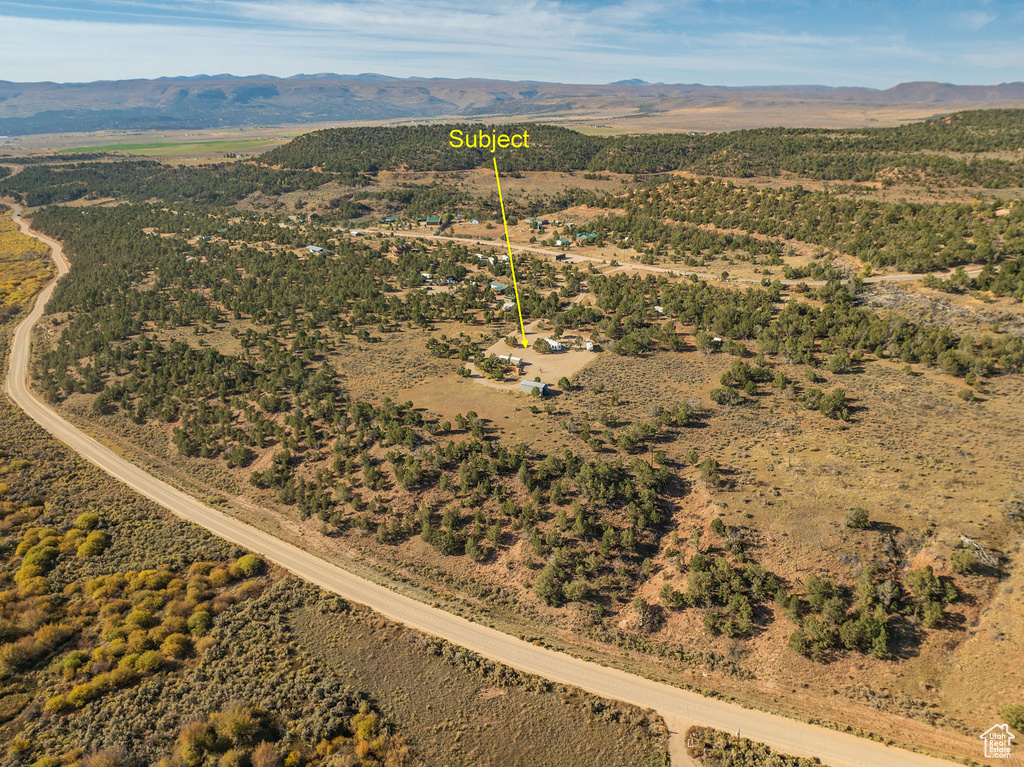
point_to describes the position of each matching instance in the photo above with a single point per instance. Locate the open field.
(171, 149)
(755, 113)
(178, 146)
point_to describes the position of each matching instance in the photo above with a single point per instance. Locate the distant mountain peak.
(205, 101)
(365, 77)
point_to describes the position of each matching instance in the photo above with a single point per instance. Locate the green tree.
(548, 586)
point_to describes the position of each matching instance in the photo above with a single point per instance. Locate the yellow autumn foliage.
(24, 264)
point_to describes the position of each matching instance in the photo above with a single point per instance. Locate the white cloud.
(973, 21)
(552, 40)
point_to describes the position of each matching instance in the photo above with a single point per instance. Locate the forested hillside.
(940, 150)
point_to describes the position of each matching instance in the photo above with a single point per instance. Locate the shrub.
(95, 544)
(75, 660)
(140, 618)
(53, 635)
(200, 623)
(249, 566)
(858, 519)
(176, 646)
(150, 661)
(798, 642)
(58, 704)
(962, 561)
(87, 521)
(710, 470)
(725, 395)
(41, 555)
(839, 362)
(1013, 715)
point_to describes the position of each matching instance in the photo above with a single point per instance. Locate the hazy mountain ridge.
(206, 101)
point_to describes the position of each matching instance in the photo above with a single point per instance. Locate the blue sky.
(715, 42)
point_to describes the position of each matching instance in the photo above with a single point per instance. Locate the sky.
(714, 42)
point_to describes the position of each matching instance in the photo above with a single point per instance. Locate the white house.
(556, 346)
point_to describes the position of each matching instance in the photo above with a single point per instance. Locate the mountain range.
(210, 101)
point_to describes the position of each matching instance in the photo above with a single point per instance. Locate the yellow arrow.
(515, 285)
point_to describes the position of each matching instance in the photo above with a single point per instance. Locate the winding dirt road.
(577, 257)
(678, 707)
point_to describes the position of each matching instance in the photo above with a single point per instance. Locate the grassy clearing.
(177, 149)
(465, 710)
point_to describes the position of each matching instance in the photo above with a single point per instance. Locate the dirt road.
(678, 707)
(576, 258)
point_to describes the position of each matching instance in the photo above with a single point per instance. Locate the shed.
(531, 387)
(315, 249)
(433, 220)
(498, 287)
